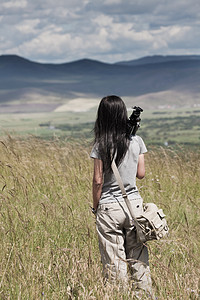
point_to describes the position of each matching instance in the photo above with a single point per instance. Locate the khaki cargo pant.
(118, 245)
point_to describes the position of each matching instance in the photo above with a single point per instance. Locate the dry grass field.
(48, 242)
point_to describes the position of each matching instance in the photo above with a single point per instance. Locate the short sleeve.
(143, 148)
(94, 153)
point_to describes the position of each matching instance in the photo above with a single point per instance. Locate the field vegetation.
(163, 127)
(48, 242)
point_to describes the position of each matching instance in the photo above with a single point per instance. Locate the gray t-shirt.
(128, 169)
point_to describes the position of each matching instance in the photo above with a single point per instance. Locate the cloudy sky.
(107, 30)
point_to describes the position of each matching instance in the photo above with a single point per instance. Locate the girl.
(117, 235)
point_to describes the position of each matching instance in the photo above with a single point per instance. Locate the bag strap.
(127, 201)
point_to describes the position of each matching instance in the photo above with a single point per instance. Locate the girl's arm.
(141, 167)
(97, 182)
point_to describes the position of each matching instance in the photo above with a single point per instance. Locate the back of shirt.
(128, 169)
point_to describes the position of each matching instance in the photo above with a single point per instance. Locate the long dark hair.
(111, 130)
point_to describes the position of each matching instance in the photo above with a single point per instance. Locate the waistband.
(113, 200)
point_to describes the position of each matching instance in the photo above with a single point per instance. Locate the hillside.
(158, 59)
(25, 83)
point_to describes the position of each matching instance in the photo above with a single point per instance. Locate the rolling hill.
(154, 81)
(158, 59)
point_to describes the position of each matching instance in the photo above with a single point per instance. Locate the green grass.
(180, 126)
(48, 241)
(171, 130)
(42, 124)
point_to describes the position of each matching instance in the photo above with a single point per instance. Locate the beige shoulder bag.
(151, 225)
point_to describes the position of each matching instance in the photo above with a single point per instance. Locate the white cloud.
(28, 26)
(108, 30)
(110, 2)
(54, 42)
(15, 3)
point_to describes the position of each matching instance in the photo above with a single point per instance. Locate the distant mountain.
(158, 59)
(24, 80)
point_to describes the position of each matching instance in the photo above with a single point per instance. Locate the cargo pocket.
(137, 206)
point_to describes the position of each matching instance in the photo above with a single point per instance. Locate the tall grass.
(48, 241)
